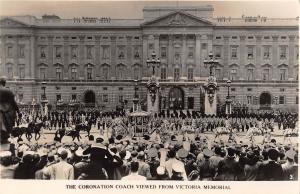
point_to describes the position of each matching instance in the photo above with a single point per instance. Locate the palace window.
(21, 51)
(266, 74)
(233, 52)
(58, 97)
(121, 98)
(249, 99)
(74, 88)
(74, 97)
(250, 74)
(9, 51)
(21, 71)
(191, 52)
(151, 46)
(136, 53)
(190, 101)
(266, 52)
(89, 52)
(163, 74)
(136, 73)
(89, 71)
(73, 73)
(163, 52)
(190, 74)
(105, 98)
(297, 52)
(233, 74)
(282, 74)
(297, 100)
(121, 72)
(283, 52)
(218, 51)
(74, 52)
(105, 54)
(250, 52)
(218, 74)
(281, 100)
(121, 54)
(176, 74)
(58, 51)
(42, 73)
(20, 97)
(249, 89)
(10, 73)
(58, 73)
(105, 73)
(42, 52)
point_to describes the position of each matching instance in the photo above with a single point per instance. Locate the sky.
(133, 9)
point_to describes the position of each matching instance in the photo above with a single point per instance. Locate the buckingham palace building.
(102, 61)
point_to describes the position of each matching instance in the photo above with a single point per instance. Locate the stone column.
(226, 56)
(183, 58)
(209, 43)
(275, 58)
(242, 53)
(258, 57)
(97, 55)
(145, 56)
(291, 57)
(66, 57)
(50, 55)
(33, 56)
(2, 55)
(170, 58)
(81, 57)
(113, 56)
(129, 57)
(198, 56)
(16, 57)
(204, 55)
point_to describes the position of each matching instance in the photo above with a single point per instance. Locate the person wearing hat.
(272, 170)
(26, 168)
(81, 168)
(206, 171)
(288, 166)
(161, 174)
(99, 159)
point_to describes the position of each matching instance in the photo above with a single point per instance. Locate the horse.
(84, 127)
(37, 129)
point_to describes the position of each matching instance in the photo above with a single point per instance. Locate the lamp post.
(153, 62)
(211, 62)
(44, 100)
(228, 100)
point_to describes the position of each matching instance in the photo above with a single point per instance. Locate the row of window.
(251, 37)
(254, 100)
(121, 73)
(250, 52)
(89, 73)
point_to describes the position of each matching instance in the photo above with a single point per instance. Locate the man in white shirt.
(134, 166)
(171, 161)
(62, 170)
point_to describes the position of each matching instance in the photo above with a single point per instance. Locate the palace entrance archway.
(89, 97)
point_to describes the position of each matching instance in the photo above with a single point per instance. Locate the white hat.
(59, 150)
(160, 170)
(29, 153)
(128, 155)
(79, 152)
(5, 154)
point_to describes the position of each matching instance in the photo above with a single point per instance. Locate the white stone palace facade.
(96, 60)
